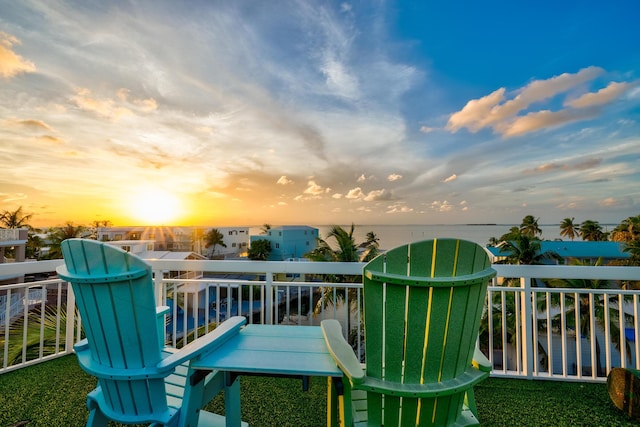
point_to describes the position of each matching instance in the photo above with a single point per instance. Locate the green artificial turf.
(53, 394)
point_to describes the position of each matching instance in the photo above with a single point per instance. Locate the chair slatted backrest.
(115, 297)
(420, 333)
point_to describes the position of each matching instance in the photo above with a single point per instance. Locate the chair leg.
(96, 417)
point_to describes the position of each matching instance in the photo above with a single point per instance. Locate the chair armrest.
(214, 339)
(481, 362)
(341, 351)
(462, 382)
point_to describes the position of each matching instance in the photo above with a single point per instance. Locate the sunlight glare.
(154, 206)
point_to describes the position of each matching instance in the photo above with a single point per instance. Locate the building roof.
(580, 249)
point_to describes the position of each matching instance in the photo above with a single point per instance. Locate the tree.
(259, 250)
(524, 250)
(59, 234)
(34, 244)
(347, 250)
(212, 239)
(569, 229)
(592, 231)
(371, 247)
(627, 231)
(265, 229)
(15, 219)
(633, 247)
(530, 227)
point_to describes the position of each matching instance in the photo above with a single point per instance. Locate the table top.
(273, 349)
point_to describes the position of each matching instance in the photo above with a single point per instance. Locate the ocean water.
(395, 235)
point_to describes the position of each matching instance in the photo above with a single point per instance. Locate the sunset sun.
(154, 206)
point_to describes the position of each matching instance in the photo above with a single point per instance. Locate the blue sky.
(318, 112)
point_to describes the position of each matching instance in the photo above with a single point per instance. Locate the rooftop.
(54, 393)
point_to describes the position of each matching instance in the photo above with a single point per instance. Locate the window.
(277, 245)
(307, 243)
(233, 245)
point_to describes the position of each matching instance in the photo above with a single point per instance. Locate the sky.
(249, 112)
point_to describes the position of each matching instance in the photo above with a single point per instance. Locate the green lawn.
(53, 394)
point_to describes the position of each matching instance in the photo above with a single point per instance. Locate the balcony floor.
(53, 394)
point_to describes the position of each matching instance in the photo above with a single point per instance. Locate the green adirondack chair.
(422, 307)
(139, 380)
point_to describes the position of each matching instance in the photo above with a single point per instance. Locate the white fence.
(528, 332)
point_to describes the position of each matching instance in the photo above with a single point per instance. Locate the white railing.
(292, 293)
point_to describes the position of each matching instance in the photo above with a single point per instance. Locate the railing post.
(527, 328)
(268, 290)
(69, 336)
(158, 286)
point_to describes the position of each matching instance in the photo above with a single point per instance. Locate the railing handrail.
(346, 268)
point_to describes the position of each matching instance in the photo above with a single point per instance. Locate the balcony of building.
(547, 345)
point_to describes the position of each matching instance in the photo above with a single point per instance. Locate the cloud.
(314, 189)
(35, 124)
(603, 96)
(114, 109)
(443, 206)
(371, 196)
(103, 107)
(451, 178)
(283, 180)
(426, 129)
(49, 139)
(609, 202)
(355, 193)
(549, 167)
(12, 197)
(394, 177)
(12, 64)
(398, 208)
(503, 114)
(377, 195)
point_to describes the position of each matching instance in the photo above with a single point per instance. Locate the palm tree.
(214, 238)
(569, 229)
(51, 325)
(581, 306)
(346, 251)
(529, 226)
(371, 247)
(524, 250)
(592, 231)
(59, 234)
(15, 219)
(628, 230)
(265, 229)
(633, 247)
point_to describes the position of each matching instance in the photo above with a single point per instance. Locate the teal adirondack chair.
(422, 308)
(139, 380)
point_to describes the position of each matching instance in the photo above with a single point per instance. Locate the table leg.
(232, 400)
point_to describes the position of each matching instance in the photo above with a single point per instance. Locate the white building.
(181, 239)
